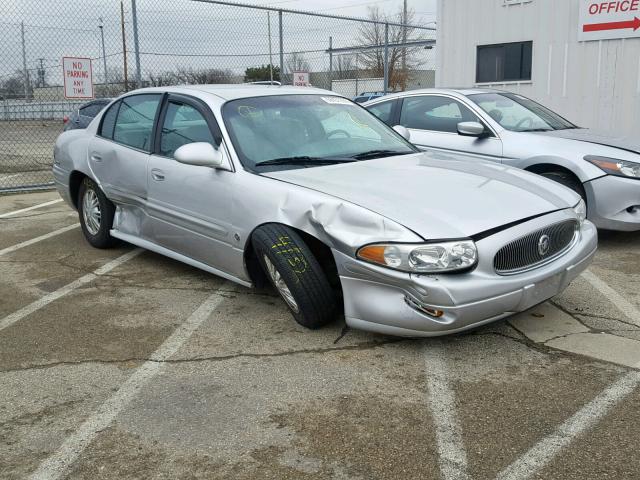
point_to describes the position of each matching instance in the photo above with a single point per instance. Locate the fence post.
(136, 46)
(386, 58)
(281, 47)
(330, 63)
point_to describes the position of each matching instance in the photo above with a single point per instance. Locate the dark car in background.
(81, 117)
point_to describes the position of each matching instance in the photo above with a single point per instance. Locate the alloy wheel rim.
(280, 284)
(91, 211)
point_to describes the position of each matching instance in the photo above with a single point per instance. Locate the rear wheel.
(296, 274)
(96, 214)
(568, 180)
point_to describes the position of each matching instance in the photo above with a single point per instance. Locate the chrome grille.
(527, 252)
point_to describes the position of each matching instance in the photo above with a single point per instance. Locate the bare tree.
(374, 34)
(344, 67)
(190, 76)
(297, 63)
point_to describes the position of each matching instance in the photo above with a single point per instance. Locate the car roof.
(456, 91)
(235, 91)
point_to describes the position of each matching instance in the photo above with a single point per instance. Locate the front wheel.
(568, 180)
(296, 274)
(96, 214)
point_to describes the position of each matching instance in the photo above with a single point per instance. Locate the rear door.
(119, 153)
(433, 123)
(190, 206)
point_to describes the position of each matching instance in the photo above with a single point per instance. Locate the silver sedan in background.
(309, 191)
(514, 130)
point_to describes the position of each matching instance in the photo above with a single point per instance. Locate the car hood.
(598, 138)
(437, 195)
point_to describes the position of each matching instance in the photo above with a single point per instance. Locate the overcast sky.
(179, 33)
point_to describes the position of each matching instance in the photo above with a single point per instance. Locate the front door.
(190, 206)
(433, 123)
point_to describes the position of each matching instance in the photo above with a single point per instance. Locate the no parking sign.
(78, 77)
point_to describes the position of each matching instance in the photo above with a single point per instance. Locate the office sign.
(301, 79)
(609, 20)
(78, 77)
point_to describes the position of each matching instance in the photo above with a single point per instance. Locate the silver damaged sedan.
(310, 192)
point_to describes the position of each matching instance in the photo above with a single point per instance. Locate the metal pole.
(330, 63)
(104, 54)
(124, 47)
(386, 58)
(404, 36)
(357, 74)
(270, 57)
(281, 47)
(25, 72)
(136, 46)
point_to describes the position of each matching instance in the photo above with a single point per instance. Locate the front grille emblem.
(543, 245)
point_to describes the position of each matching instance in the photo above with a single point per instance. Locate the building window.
(506, 62)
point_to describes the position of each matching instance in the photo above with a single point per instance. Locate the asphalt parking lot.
(26, 151)
(125, 364)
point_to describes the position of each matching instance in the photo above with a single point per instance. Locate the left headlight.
(422, 258)
(613, 166)
(581, 211)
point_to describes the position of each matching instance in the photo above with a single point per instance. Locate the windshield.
(295, 131)
(518, 113)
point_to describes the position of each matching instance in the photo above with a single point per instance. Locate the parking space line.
(26, 243)
(61, 292)
(16, 212)
(57, 464)
(528, 465)
(441, 400)
(624, 305)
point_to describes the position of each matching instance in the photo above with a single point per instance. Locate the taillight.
(65, 119)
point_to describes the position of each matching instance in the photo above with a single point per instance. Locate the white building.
(581, 58)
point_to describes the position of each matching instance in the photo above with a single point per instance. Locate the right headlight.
(436, 257)
(613, 166)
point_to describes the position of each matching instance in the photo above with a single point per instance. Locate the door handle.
(157, 175)
(95, 157)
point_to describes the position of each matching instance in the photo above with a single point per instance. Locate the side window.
(382, 111)
(183, 124)
(439, 114)
(135, 121)
(109, 121)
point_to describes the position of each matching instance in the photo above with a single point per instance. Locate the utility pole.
(330, 63)
(124, 47)
(104, 54)
(404, 49)
(136, 46)
(41, 73)
(270, 57)
(25, 72)
(281, 47)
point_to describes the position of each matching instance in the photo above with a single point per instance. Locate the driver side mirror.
(201, 154)
(406, 134)
(471, 129)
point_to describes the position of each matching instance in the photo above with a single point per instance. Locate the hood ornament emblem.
(544, 244)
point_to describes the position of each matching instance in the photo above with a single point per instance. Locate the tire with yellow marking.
(279, 249)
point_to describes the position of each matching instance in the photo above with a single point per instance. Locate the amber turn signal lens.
(373, 253)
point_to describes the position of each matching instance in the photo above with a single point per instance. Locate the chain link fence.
(140, 43)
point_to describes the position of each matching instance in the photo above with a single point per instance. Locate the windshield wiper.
(303, 160)
(536, 130)
(378, 154)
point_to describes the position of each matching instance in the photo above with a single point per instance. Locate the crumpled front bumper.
(611, 201)
(385, 301)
